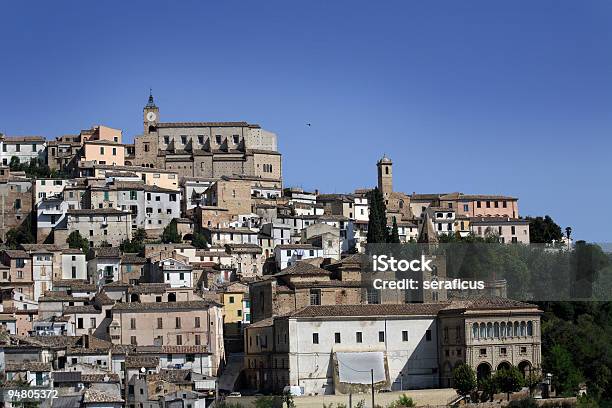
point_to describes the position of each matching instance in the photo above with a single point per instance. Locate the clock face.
(151, 116)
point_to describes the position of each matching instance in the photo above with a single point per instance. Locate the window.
(466, 207)
(101, 150)
(513, 230)
(166, 139)
(133, 340)
(160, 323)
(359, 337)
(197, 339)
(488, 204)
(231, 299)
(483, 351)
(478, 204)
(17, 147)
(74, 272)
(315, 338)
(183, 139)
(523, 350)
(218, 139)
(503, 351)
(133, 323)
(92, 322)
(80, 323)
(405, 335)
(179, 340)
(200, 139)
(428, 335)
(197, 322)
(114, 151)
(315, 297)
(178, 322)
(236, 139)
(337, 338)
(381, 336)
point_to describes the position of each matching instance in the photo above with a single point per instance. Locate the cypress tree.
(377, 224)
(394, 236)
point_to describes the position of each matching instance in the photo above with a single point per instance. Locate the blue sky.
(476, 96)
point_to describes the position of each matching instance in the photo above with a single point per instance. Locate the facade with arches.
(490, 334)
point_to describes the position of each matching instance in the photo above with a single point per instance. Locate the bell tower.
(385, 175)
(150, 115)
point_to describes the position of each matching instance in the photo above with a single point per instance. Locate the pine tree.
(394, 236)
(377, 224)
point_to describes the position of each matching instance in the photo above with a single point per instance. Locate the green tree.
(76, 240)
(377, 224)
(566, 377)
(394, 236)
(508, 380)
(20, 235)
(136, 244)
(543, 230)
(464, 379)
(199, 240)
(171, 234)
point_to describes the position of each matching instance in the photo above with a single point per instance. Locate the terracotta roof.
(408, 309)
(22, 139)
(16, 253)
(497, 220)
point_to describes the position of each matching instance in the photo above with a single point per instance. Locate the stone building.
(98, 225)
(25, 148)
(15, 200)
(206, 149)
(489, 334)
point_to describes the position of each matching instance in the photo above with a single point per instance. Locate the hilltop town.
(180, 267)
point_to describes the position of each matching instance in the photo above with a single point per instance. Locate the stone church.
(207, 149)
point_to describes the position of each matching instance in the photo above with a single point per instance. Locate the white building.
(176, 273)
(25, 148)
(74, 265)
(287, 255)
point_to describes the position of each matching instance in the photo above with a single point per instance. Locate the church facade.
(207, 149)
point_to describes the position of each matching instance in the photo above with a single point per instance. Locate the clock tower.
(151, 115)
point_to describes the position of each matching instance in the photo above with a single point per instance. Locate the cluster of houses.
(261, 290)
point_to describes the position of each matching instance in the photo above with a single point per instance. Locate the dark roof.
(152, 306)
(149, 288)
(205, 124)
(133, 259)
(408, 309)
(94, 396)
(107, 252)
(89, 309)
(141, 361)
(16, 253)
(488, 303)
(303, 269)
(22, 366)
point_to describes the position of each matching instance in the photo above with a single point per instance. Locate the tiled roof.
(153, 306)
(16, 253)
(409, 309)
(296, 246)
(488, 303)
(93, 396)
(72, 251)
(461, 196)
(497, 220)
(303, 269)
(133, 259)
(103, 299)
(141, 361)
(22, 366)
(107, 252)
(86, 309)
(105, 378)
(149, 288)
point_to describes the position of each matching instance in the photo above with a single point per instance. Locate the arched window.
(509, 329)
(530, 328)
(475, 330)
(516, 329)
(490, 330)
(496, 330)
(503, 329)
(401, 203)
(483, 331)
(523, 328)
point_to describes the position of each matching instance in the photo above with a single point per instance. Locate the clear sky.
(500, 97)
